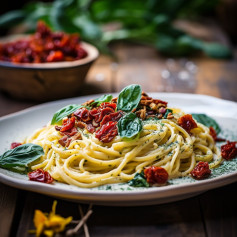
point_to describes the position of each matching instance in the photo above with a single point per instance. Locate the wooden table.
(211, 214)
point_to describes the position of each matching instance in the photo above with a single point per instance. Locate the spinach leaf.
(102, 99)
(207, 121)
(60, 114)
(139, 180)
(167, 112)
(19, 158)
(129, 98)
(129, 126)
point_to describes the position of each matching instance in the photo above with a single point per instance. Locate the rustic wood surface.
(211, 214)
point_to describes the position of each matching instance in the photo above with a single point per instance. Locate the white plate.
(15, 127)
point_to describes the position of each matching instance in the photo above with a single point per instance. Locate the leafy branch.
(148, 22)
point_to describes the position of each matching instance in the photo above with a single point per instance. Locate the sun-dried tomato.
(229, 150)
(156, 175)
(83, 114)
(98, 113)
(201, 170)
(70, 132)
(40, 175)
(214, 135)
(103, 118)
(55, 56)
(90, 128)
(15, 144)
(187, 122)
(66, 140)
(108, 104)
(43, 46)
(105, 111)
(107, 132)
(68, 124)
(111, 117)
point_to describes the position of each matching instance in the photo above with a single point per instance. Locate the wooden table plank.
(219, 211)
(8, 197)
(181, 218)
(217, 78)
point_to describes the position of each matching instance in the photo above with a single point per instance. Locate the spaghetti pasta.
(87, 161)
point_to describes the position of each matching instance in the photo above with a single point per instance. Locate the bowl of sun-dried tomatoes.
(45, 65)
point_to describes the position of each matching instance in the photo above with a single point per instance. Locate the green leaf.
(102, 99)
(170, 44)
(19, 158)
(129, 98)
(129, 126)
(165, 43)
(167, 112)
(11, 18)
(207, 121)
(37, 11)
(88, 28)
(59, 17)
(216, 50)
(139, 180)
(65, 111)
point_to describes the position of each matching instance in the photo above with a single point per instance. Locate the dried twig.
(86, 231)
(82, 222)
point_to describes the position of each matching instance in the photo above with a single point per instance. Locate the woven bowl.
(45, 81)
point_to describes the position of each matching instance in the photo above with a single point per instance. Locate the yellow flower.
(51, 223)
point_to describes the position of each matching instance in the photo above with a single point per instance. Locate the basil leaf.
(102, 99)
(167, 112)
(129, 98)
(129, 126)
(207, 121)
(60, 114)
(139, 180)
(19, 158)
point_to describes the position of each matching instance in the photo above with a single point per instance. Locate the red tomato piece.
(95, 114)
(70, 132)
(108, 104)
(55, 56)
(187, 122)
(201, 170)
(104, 112)
(156, 175)
(98, 113)
(90, 128)
(68, 124)
(83, 114)
(107, 132)
(81, 53)
(43, 46)
(111, 117)
(229, 150)
(40, 175)
(15, 144)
